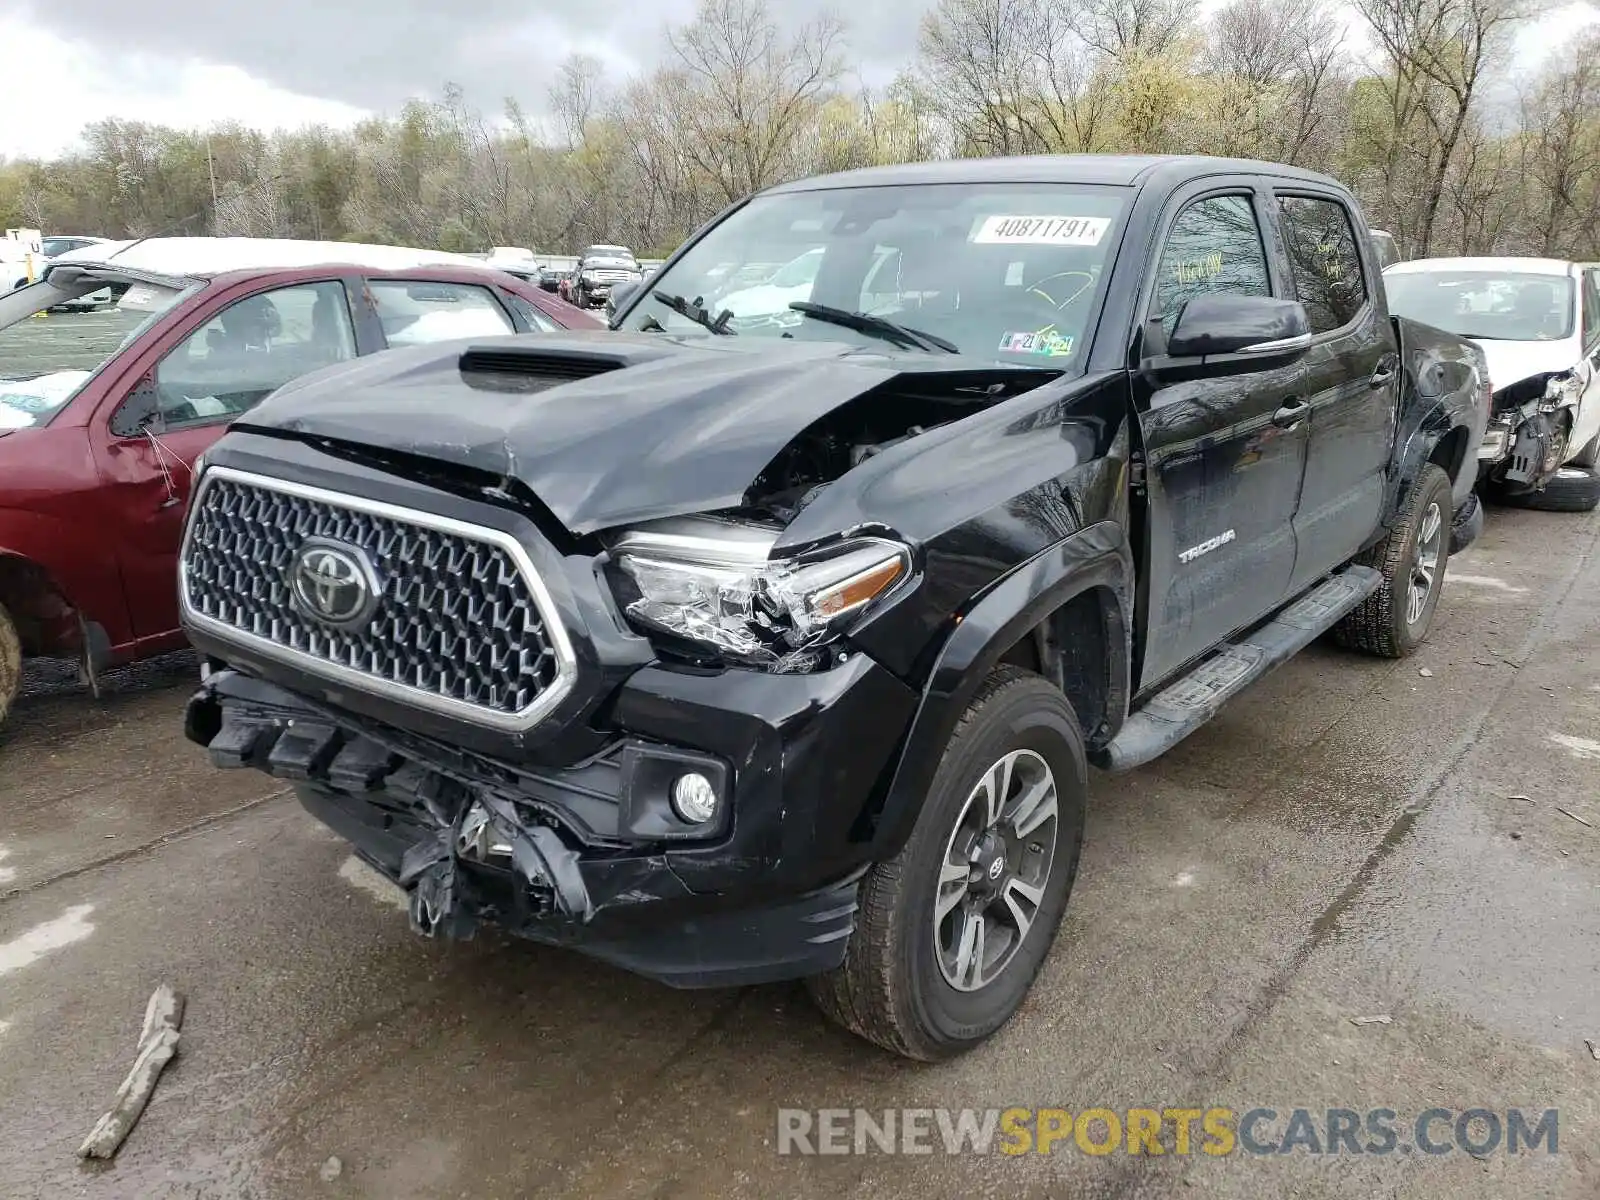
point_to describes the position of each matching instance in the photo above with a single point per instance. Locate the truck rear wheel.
(1571, 489)
(952, 930)
(10, 662)
(1394, 620)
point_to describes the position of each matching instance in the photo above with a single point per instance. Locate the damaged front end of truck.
(607, 640)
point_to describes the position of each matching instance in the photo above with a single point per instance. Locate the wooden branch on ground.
(158, 1042)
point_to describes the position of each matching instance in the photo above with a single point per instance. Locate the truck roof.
(1124, 170)
(204, 257)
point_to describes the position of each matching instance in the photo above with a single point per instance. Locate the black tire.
(1572, 489)
(892, 989)
(1382, 625)
(10, 663)
(1589, 456)
(1467, 526)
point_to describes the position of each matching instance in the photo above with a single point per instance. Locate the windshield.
(50, 351)
(1006, 272)
(1513, 306)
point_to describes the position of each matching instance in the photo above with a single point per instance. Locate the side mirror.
(1216, 324)
(140, 411)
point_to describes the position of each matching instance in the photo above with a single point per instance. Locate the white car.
(1537, 321)
(53, 247)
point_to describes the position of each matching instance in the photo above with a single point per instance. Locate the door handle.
(1382, 377)
(1291, 414)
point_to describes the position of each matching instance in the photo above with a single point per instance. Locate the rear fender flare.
(1096, 557)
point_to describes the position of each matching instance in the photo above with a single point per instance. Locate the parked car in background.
(807, 634)
(58, 244)
(518, 261)
(1537, 322)
(599, 269)
(103, 416)
(55, 247)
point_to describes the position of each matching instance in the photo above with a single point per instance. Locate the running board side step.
(1188, 703)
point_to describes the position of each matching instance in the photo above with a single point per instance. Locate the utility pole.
(211, 170)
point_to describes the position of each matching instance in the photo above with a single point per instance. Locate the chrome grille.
(461, 620)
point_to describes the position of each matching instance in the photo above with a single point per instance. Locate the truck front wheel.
(951, 931)
(10, 662)
(1394, 620)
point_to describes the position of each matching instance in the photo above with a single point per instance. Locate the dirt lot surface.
(1355, 838)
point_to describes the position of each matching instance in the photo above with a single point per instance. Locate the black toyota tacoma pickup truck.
(731, 657)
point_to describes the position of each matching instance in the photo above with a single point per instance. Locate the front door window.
(249, 350)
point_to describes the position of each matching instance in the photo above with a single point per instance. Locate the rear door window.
(1323, 260)
(420, 312)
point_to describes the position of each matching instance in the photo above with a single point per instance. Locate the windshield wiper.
(867, 323)
(699, 315)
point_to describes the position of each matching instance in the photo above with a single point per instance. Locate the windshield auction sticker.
(1004, 230)
(1045, 342)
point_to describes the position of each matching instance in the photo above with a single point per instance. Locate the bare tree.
(1435, 55)
(753, 89)
(576, 96)
(1563, 146)
(1122, 29)
(1278, 64)
(1011, 76)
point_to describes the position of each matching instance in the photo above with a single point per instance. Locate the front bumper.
(1525, 442)
(589, 855)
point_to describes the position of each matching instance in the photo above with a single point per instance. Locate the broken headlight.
(713, 583)
(1564, 388)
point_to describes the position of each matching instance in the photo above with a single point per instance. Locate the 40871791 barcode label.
(1042, 231)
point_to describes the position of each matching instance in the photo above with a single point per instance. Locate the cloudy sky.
(276, 63)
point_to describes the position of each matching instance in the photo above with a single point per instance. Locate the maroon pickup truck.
(102, 415)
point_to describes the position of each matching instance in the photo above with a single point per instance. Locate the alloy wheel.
(995, 870)
(1425, 566)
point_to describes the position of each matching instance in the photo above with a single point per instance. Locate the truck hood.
(607, 428)
(1512, 361)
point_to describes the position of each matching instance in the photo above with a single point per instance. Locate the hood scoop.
(530, 368)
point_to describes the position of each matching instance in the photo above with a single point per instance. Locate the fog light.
(694, 799)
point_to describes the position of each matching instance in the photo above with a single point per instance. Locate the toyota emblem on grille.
(334, 583)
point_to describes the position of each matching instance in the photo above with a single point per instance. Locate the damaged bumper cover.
(588, 855)
(1526, 440)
